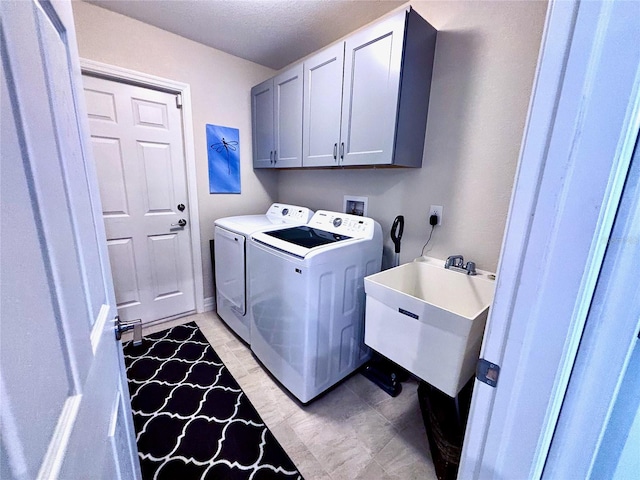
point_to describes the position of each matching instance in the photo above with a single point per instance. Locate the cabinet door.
(288, 118)
(262, 123)
(322, 107)
(373, 58)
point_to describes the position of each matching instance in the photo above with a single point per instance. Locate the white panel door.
(288, 118)
(372, 63)
(322, 107)
(137, 143)
(65, 404)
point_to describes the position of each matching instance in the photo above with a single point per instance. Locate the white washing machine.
(232, 264)
(308, 302)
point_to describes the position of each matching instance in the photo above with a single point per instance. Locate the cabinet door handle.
(335, 151)
(271, 156)
(342, 151)
(275, 156)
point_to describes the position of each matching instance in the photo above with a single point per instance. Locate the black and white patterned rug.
(191, 417)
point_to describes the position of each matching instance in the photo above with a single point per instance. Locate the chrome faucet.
(457, 262)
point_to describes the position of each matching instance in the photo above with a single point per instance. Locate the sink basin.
(429, 320)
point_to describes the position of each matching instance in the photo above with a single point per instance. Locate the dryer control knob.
(337, 222)
(285, 212)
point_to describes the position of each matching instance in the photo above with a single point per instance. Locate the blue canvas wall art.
(224, 159)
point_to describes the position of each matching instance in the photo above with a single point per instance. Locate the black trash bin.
(445, 420)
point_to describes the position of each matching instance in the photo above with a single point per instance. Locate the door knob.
(125, 326)
(181, 223)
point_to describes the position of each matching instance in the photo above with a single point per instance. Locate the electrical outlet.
(435, 210)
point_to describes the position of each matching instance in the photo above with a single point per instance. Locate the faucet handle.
(470, 268)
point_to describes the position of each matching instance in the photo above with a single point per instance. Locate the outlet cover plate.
(435, 210)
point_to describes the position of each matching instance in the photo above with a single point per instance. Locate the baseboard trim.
(209, 304)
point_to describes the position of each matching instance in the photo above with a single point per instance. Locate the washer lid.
(245, 224)
(307, 237)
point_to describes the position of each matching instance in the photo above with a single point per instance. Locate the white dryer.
(232, 264)
(308, 302)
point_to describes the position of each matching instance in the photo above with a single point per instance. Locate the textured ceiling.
(273, 33)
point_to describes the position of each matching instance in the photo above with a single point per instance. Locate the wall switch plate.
(435, 210)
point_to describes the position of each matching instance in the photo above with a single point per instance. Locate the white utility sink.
(428, 319)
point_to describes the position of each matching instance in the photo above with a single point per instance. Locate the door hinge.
(487, 372)
(178, 100)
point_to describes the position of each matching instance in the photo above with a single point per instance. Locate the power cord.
(429, 239)
(433, 221)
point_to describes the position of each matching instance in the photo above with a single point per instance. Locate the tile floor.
(355, 431)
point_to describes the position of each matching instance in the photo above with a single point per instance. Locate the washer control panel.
(281, 213)
(343, 224)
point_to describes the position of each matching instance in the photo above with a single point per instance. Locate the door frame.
(599, 406)
(577, 146)
(153, 82)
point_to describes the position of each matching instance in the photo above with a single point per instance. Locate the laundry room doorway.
(140, 140)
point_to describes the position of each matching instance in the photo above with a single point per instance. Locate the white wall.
(485, 60)
(486, 56)
(220, 91)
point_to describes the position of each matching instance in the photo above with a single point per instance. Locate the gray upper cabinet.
(383, 96)
(276, 107)
(323, 107)
(370, 93)
(365, 101)
(262, 124)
